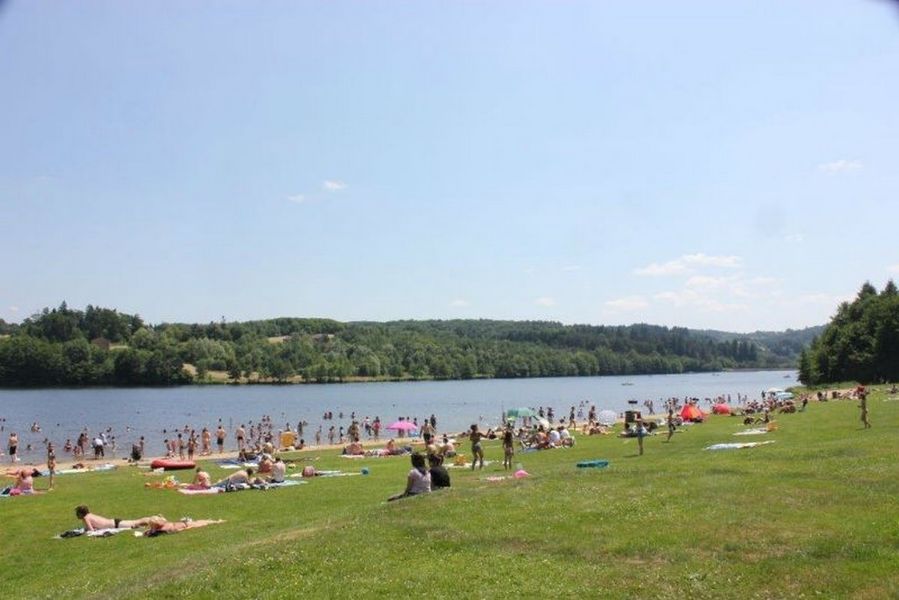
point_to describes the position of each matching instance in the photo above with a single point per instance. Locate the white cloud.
(685, 264)
(794, 238)
(13, 309)
(297, 198)
(628, 303)
(460, 303)
(840, 166)
(707, 282)
(672, 267)
(692, 298)
(893, 269)
(545, 301)
(728, 262)
(333, 185)
(571, 268)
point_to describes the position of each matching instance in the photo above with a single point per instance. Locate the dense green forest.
(861, 343)
(99, 346)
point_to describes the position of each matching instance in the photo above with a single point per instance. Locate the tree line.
(861, 343)
(100, 346)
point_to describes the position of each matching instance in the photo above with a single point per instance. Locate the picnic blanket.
(733, 446)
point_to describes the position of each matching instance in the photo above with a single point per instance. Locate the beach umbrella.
(517, 413)
(402, 426)
(607, 417)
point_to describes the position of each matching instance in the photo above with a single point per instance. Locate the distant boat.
(627, 383)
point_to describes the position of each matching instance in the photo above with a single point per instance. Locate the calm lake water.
(62, 414)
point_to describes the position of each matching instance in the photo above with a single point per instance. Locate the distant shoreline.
(218, 378)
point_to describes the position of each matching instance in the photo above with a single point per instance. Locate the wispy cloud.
(628, 303)
(297, 198)
(893, 268)
(794, 238)
(545, 301)
(840, 166)
(571, 268)
(460, 303)
(333, 185)
(687, 263)
(693, 298)
(13, 309)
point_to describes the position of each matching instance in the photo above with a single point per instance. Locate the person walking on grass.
(863, 404)
(51, 464)
(477, 449)
(671, 425)
(508, 448)
(641, 433)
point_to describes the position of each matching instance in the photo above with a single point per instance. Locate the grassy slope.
(815, 514)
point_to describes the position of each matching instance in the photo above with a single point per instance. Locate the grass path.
(816, 514)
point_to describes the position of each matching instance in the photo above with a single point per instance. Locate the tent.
(691, 412)
(721, 409)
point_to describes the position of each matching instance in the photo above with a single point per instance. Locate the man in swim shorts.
(93, 522)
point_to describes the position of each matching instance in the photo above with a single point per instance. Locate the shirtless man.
(239, 477)
(93, 522)
(220, 439)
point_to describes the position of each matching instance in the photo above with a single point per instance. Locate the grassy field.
(816, 514)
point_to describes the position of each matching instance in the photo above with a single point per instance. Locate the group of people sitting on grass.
(424, 477)
(545, 438)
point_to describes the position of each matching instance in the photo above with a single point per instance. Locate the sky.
(707, 164)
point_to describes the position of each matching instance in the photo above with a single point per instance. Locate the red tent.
(691, 412)
(721, 409)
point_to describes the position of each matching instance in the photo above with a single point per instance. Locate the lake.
(63, 413)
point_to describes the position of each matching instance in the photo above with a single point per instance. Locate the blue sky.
(709, 164)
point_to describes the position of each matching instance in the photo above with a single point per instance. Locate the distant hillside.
(98, 346)
(777, 348)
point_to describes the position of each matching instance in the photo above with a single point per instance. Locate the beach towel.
(239, 488)
(233, 464)
(759, 431)
(354, 456)
(737, 446)
(324, 474)
(487, 463)
(78, 532)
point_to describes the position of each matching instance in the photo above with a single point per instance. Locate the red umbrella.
(403, 426)
(721, 409)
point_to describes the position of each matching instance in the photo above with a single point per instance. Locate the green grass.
(814, 515)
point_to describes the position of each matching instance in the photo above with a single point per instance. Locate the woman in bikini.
(477, 450)
(158, 525)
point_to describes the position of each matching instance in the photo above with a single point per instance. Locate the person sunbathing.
(93, 522)
(158, 525)
(239, 477)
(201, 481)
(354, 448)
